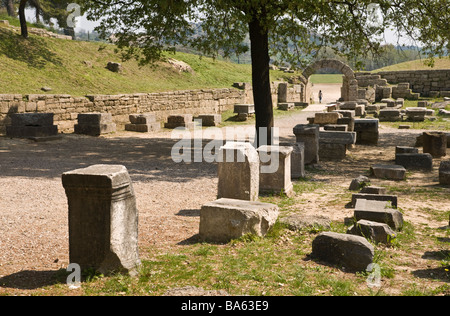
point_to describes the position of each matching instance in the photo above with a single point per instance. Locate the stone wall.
(66, 107)
(425, 82)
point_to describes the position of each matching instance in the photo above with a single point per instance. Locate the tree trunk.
(23, 20)
(262, 96)
(10, 8)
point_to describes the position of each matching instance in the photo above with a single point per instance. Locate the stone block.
(378, 211)
(32, 119)
(374, 197)
(336, 127)
(444, 173)
(226, 219)
(349, 121)
(351, 252)
(142, 118)
(374, 190)
(406, 150)
(103, 219)
(337, 137)
(360, 110)
(210, 119)
(367, 131)
(388, 172)
(309, 135)
(416, 114)
(297, 159)
(248, 109)
(415, 161)
(435, 143)
(182, 120)
(31, 125)
(143, 128)
(286, 106)
(345, 113)
(374, 231)
(390, 115)
(94, 124)
(275, 174)
(238, 171)
(326, 118)
(94, 118)
(358, 183)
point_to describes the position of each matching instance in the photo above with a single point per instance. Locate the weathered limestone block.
(309, 135)
(238, 171)
(374, 231)
(143, 123)
(378, 211)
(327, 118)
(103, 219)
(444, 173)
(94, 124)
(435, 143)
(248, 109)
(210, 119)
(414, 161)
(389, 115)
(227, 219)
(297, 159)
(275, 174)
(286, 106)
(416, 114)
(351, 252)
(367, 131)
(374, 190)
(336, 127)
(358, 183)
(29, 125)
(182, 120)
(349, 121)
(389, 172)
(374, 197)
(406, 150)
(333, 144)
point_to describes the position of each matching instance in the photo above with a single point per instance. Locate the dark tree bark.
(262, 96)
(23, 20)
(10, 9)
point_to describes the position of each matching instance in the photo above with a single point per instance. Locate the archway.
(349, 90)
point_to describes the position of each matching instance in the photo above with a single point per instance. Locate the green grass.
(443, 63)
(78, 68)
(440, 123)
(326, 78)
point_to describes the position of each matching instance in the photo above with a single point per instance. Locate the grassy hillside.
(443, 63)
(78, 68)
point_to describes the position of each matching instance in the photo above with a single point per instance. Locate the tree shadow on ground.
(146, 159)
(33, 51)
(29, 280)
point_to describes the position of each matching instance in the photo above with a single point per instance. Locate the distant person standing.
(320, 96)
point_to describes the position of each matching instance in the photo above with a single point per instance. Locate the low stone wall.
(66, 107)
(425, 82)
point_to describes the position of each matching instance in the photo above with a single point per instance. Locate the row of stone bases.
(40, 125)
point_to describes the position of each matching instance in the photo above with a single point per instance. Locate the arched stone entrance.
(349, 90)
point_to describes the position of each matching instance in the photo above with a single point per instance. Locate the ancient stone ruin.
(103, 219)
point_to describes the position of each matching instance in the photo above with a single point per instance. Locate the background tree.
(293, 31)
(10, 7)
